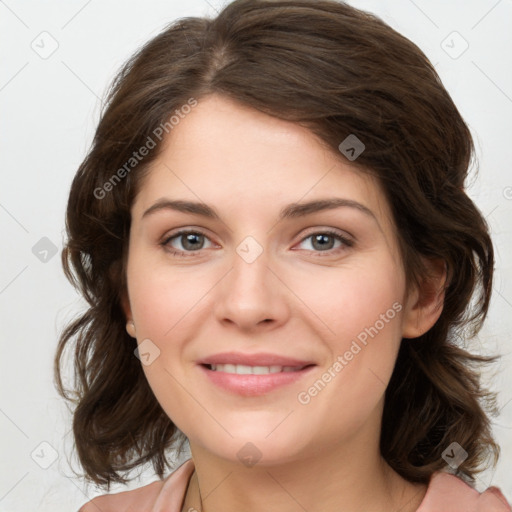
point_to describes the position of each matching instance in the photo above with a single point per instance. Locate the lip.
(254, 385)
(260, 359)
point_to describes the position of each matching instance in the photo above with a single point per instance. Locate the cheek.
(361, 306)
(162, 298)
(164, 305)
(355, 297)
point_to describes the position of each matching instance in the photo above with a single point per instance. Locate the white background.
(49, 110)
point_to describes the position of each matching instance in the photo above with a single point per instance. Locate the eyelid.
(329, 230)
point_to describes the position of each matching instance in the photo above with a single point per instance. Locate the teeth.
(241, 369)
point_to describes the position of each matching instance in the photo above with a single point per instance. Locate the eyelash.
(347, 243)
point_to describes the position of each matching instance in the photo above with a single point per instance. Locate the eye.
(190, 242)
(323, 241)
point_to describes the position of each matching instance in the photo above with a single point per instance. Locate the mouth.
(249, 380)
(241, 369)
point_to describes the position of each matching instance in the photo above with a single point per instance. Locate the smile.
(253, 380)
(241, 369)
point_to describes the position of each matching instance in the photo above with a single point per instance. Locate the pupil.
(190, 238)
(322, 239)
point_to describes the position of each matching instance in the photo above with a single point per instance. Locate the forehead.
(236, 157)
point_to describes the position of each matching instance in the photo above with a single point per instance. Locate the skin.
(297, 299)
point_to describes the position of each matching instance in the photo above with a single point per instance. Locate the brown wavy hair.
(335, 70)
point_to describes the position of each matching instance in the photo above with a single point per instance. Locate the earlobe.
(130, 328)
(425, 304)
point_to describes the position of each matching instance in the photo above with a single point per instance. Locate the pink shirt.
(445, 493)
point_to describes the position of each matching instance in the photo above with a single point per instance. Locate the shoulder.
(141, 498)
(146, 498)
(452, 493)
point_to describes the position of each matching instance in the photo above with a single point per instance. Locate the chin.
(254, 446)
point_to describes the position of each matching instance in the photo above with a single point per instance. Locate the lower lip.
(254, 385)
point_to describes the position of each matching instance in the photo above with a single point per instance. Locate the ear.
(130, 326)
(424, 303)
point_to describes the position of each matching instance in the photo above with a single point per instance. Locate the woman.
(279, 256)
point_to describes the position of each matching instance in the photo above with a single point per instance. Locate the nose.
(251, 296)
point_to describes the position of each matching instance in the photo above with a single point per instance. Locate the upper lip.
(261, 359)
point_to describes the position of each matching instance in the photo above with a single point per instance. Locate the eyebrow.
(293, 210)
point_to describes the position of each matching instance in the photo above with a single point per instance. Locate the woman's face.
(264, 274)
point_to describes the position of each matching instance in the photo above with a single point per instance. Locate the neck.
(320, 482)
